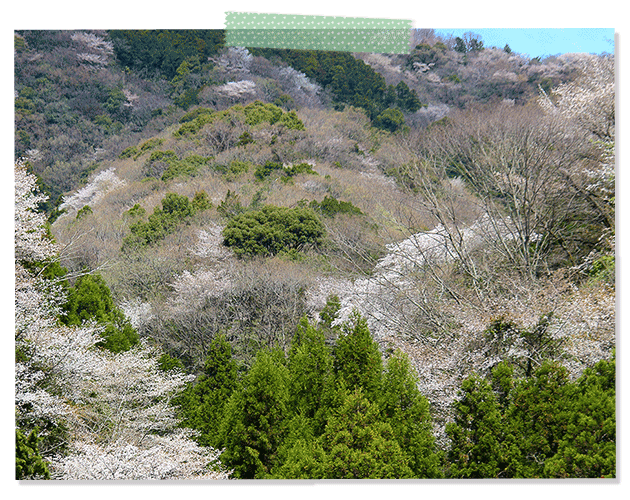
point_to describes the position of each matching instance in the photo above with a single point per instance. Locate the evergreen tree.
(358, 445)
(407, 411)
(357, 360)
(389, 99)
(300, 456)
(541, 426)
(29, 463)
(476, 432)
(537, 415)
(202, 404)
(406, 98)
(310, 369)
(460, 45)
(588, 448)
(254, 422)
(90, 300)
(391, 119)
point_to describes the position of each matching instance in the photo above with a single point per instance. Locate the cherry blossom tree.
(585, 108)
(100, 415)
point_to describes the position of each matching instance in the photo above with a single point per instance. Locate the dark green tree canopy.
(357, 360)
(254, 423)
(272, 229)
(90, 300)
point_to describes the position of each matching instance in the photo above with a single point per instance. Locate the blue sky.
(536, 42)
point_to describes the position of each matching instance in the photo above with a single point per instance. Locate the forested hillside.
(265, 263)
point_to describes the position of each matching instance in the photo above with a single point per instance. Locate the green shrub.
(330, 207)
(195, 125)
(272, 229)
(128, 152)
(265, 170)
(285, 173)
(258, 112)
(158, 162)
(90, 300)
(245, 138)
(194, 114)
(301, 168)
(200, 202)
(136, 211)
(147, 146)
(175, 210)
(230, 206)
(189, 166)
(239, 167)
(391, 119)
(291, 121)
(86, 210)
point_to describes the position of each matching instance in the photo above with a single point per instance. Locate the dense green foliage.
(90, 300)
(284, 173)
(407, 412)
(358, 361)
(163, 221)
(29, 463)
(331, 206)
(165, 165)
(316, 412)
(538, 426)
(338, 411)
(254, 422)
(351, 81)
(252, 115)
(202, 404)
(163, 51)
(271, 230)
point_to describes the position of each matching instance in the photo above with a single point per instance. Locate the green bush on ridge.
(163, 221)
(272, 229)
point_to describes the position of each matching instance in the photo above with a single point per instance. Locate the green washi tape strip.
(345, 34)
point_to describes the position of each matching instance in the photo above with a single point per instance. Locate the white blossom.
(237, 89)
(93, 41)
(137, 312)
(31, 242)
(102, 184)
(116, 406)
(210, 243)
(235, 59)
(171, 457)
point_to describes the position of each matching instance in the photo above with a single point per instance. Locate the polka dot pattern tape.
(344, 34)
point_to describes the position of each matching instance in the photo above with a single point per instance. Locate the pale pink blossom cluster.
(117, 407)
(94, 59)
(589, 101)
(210, 243)
(170, 457)
(235, 59)
(105, 182)
(131, 98)
(237, 89)
(193, 289)
(445, 338)
(137, 312)
(296, 81)
(30, 242)
(93, 41)
(101, 50)
(323, 287)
